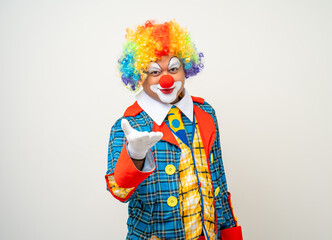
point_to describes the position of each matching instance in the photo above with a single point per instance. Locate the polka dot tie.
(176, 124)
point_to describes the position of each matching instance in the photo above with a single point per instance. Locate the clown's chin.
(168, 98)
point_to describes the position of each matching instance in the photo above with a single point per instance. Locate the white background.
(267, 73)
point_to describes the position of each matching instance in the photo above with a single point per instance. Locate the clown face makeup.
(165, 79)
(168, 95)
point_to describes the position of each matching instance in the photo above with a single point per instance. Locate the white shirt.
(158, 110)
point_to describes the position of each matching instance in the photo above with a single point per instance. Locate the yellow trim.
(118, 191)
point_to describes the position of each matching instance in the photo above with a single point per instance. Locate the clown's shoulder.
(204, 105)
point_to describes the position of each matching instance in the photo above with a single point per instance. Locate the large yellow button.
(170, 169)
(216, 192)
(211, 158)
(172, 201)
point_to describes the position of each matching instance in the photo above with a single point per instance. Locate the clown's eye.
(154, 73)
(154, 69)
(173, 70)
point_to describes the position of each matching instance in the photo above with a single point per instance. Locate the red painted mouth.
(167, 90)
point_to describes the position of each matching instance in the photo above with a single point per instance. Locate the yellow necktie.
(176, 124)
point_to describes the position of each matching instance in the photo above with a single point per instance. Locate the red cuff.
(234, 233)
(126, 175)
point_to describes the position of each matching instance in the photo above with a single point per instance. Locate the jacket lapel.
(167, 133)
(206, 127)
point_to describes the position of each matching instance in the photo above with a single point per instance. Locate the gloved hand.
(139, 142)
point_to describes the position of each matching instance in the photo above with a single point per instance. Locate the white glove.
(139, 142)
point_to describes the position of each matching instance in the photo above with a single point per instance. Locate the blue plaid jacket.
(149, 213)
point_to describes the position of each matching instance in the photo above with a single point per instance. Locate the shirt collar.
(158, 110)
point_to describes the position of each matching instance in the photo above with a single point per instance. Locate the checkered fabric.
(148, 212)
(189, 194)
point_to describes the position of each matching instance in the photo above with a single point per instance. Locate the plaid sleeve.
(122, 177)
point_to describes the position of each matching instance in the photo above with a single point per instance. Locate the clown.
(164, 154)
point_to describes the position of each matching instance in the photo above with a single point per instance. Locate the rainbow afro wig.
(151, 41)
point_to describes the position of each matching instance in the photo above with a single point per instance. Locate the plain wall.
(267, 74)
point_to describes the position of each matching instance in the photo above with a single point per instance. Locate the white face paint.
(174, 63)
(154, 69)
(170, 97)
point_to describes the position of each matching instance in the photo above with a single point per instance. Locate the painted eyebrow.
(174, 62)
(154, 67)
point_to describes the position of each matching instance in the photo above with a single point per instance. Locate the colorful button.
(170, 169)
(216, 192)
(172, 201)
(211, 157)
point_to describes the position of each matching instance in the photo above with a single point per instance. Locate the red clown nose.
(166, 81)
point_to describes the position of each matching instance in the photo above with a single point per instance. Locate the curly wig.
(149, 42)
